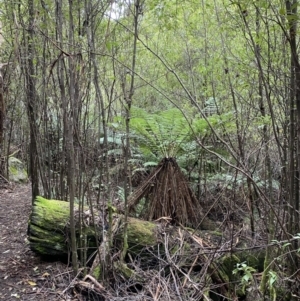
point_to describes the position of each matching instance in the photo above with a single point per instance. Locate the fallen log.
(48, 232)
(48, 229)
(48, 235)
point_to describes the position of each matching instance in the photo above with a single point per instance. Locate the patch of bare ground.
(23, 275)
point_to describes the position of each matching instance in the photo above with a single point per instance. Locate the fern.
(151, 164)
(115, 152)
(168, 134)
(224, 123)
(160, 134)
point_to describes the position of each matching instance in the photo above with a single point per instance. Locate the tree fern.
(169, 134)
(161, 133)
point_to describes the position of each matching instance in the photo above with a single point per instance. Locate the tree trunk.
(2, 117)
(2, 112)
(31, 98)
(294, 148)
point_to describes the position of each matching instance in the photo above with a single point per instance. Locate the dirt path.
(23, 275)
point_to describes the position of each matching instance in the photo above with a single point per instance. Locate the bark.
(2, 113)
(32, 100)
(2, 118)
(69, 124)
(294, 147)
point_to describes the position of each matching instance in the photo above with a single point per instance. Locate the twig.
(95, 282)
(4, 179)
(15, 152)
(191, 268)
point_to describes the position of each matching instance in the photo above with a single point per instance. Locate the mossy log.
(48, 235)
(48, 229)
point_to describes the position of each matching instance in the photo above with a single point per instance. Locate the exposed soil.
(23, 275)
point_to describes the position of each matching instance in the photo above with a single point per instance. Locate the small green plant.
(246, 273)
(272, 278)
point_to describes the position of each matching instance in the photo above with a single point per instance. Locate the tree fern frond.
(115, 151)
(112, 139)
(146, 164)
(161, 132)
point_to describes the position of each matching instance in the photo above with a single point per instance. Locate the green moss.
(13, 170)
(185, 250)
(53, 205)
(52, 212)
(124, 270)
(48, 225)
(217, 233)
(97, 272)
(47, 247)
(227, 265)
(17, 172)
(141, 234)
(17, 175)
(43, 233)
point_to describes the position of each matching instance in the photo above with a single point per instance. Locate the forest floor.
(24, 275)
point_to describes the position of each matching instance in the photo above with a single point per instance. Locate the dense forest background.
(94, 94)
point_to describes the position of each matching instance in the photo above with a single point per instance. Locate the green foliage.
(232, 181)
(272, 278)
(121, 193)
(168, 133)
(245, 273)
(159, 134)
